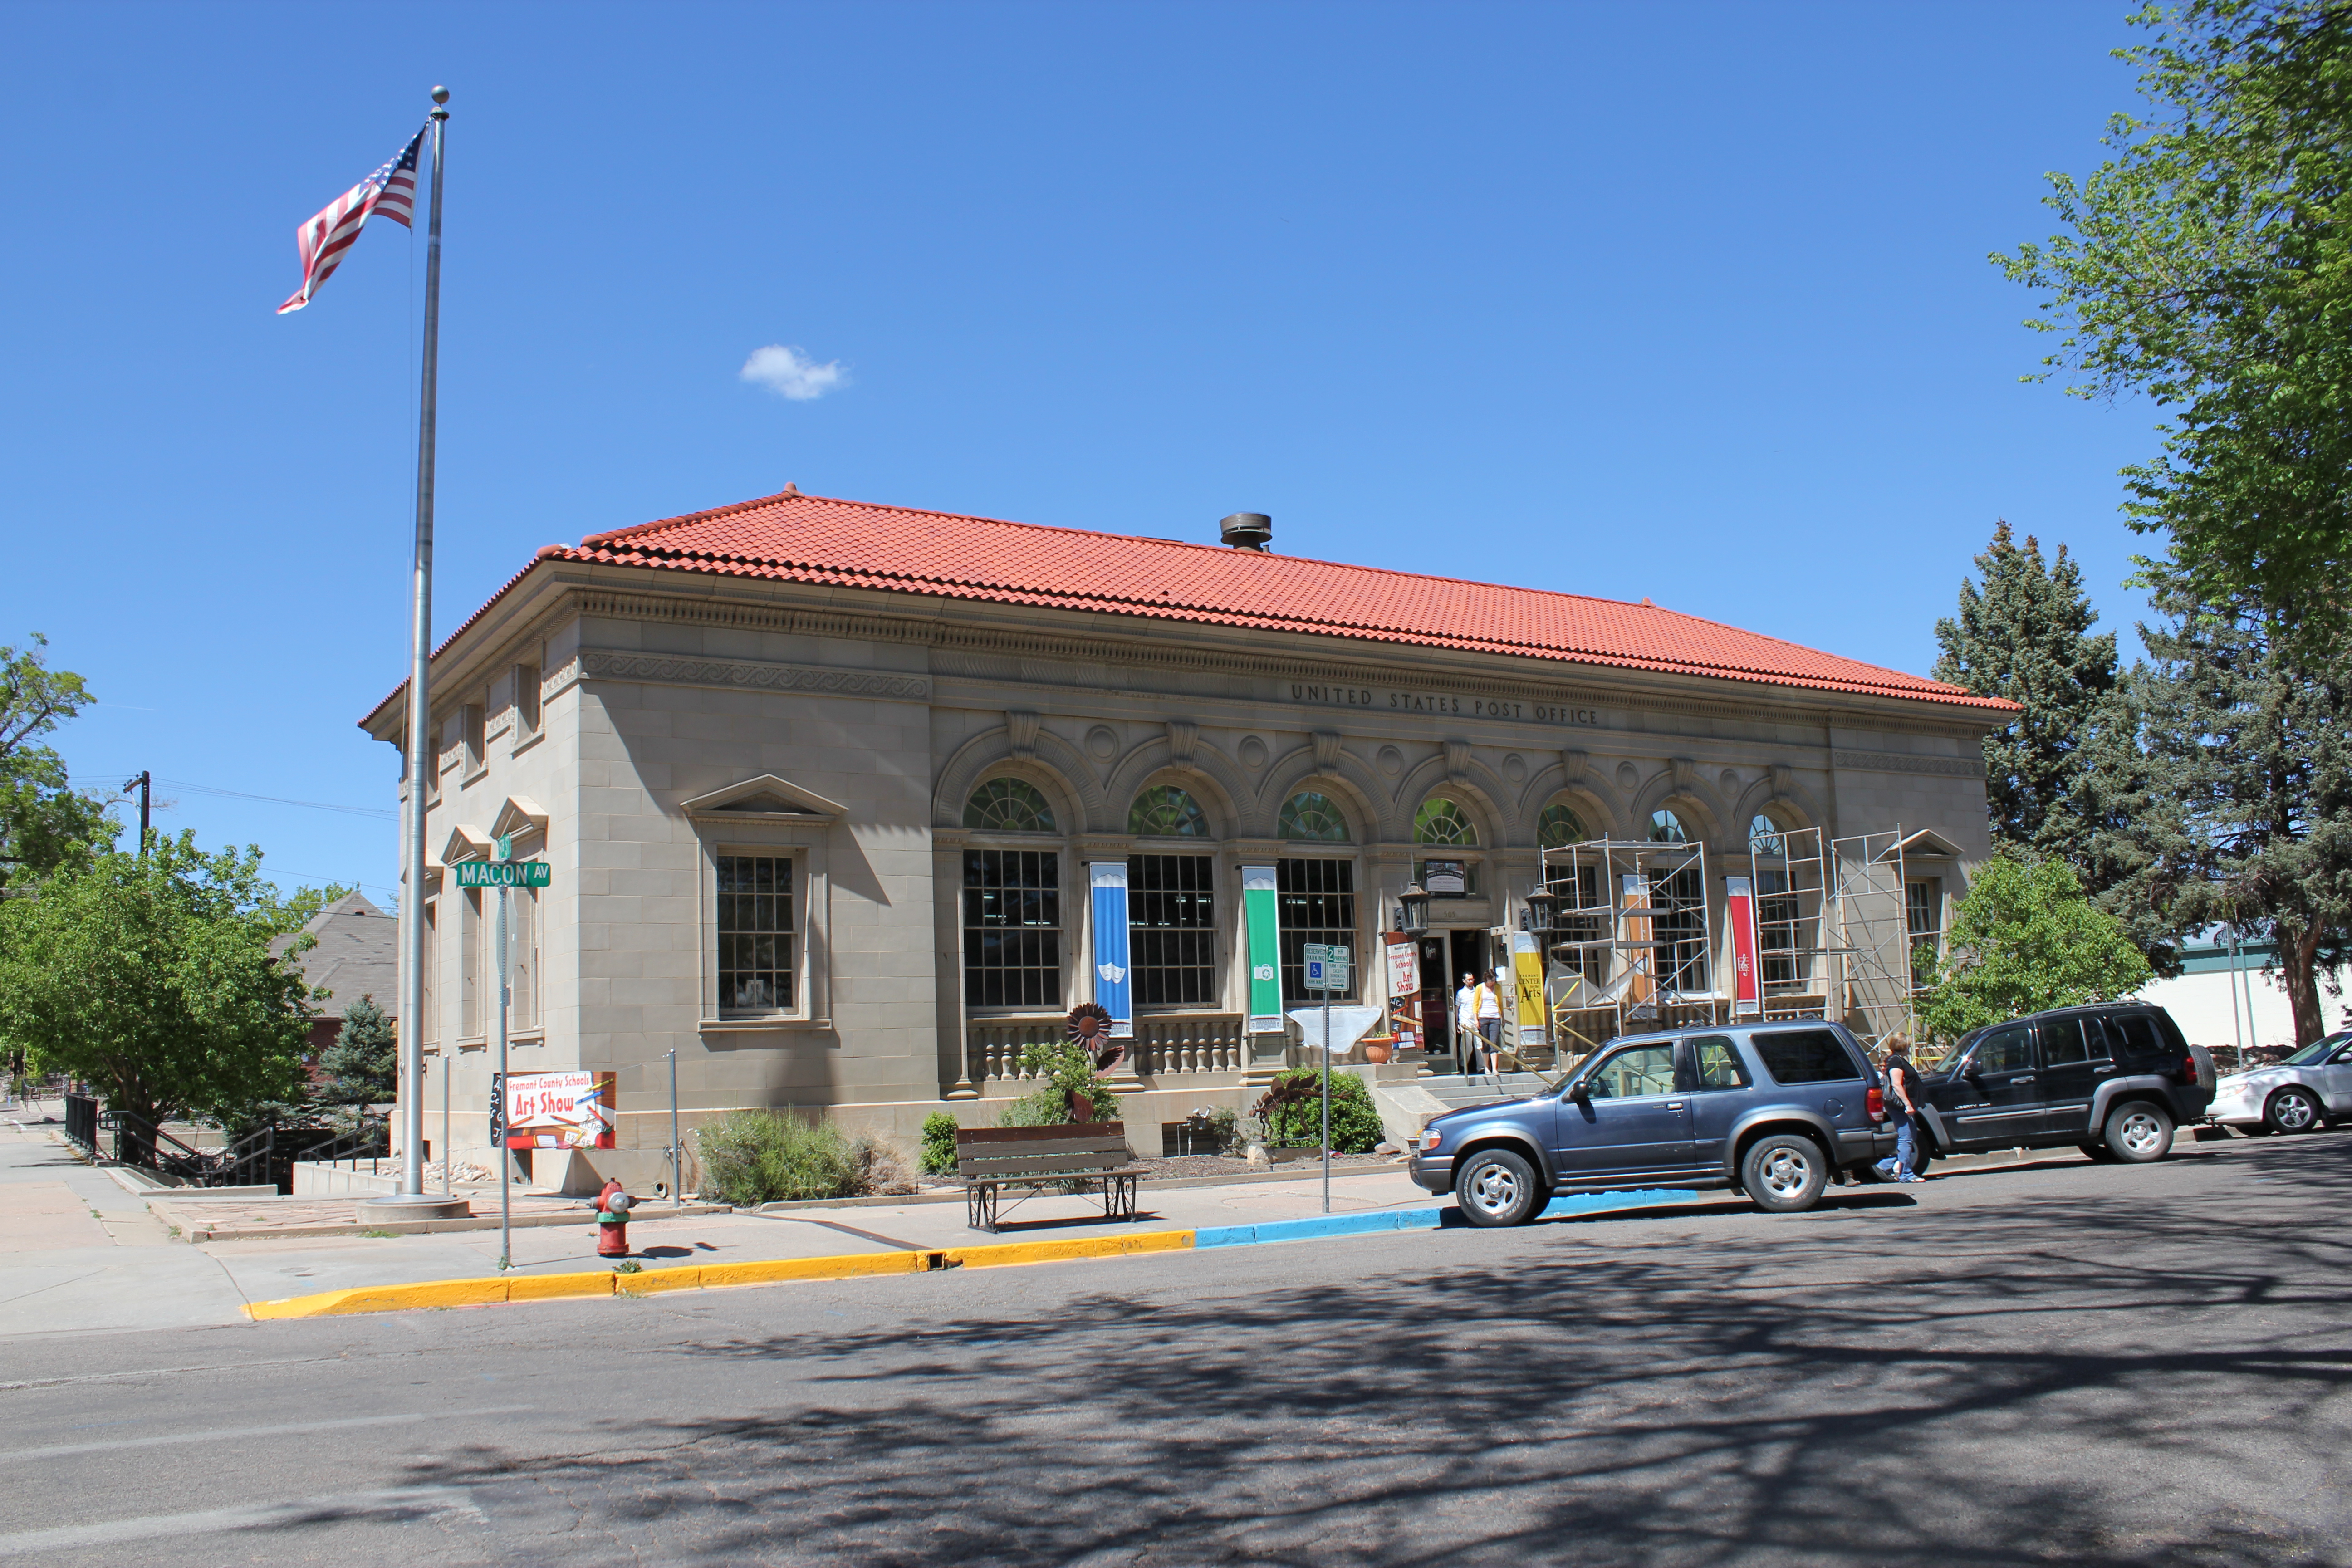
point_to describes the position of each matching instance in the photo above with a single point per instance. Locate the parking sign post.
(1327, 971)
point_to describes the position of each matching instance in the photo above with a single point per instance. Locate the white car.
(2301, 1094)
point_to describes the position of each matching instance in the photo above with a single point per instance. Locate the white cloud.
(789, 373)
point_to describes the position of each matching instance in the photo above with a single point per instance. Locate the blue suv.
(1771, 1109)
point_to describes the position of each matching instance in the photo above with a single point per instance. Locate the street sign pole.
(506, 1180)
(1327, 1091)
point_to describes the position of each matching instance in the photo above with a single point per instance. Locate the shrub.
(939, 1143)
(1292, 1111)
(1067, 1071)
(1220, 1127)
(764, 1156)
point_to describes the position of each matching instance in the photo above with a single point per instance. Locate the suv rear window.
(2134, 1034)
(1805, 1056)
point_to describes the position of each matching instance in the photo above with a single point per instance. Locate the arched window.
(1665, 827)
(1009, 805)
(1163, 811)
(1764, 841)
(1440, 821)
(1560, 826)
(1312, 818)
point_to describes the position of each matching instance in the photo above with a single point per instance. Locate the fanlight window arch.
(1665, 827)
(1764, 838)
(1440, 821)
(1560, 827)
(1009, 805)
(1164, 811)
(1312, 818)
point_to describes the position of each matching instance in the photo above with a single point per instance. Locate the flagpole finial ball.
(440, 95)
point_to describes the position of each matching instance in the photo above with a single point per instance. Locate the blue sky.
(1683, 301)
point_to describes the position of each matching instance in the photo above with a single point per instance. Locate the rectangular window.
(430, 1031)
(755, 934)
(2063, 1042)
(1011, 927)
(1172, 930)
(1781, 929)
(526, 701)
(1805, 1056)
(1315, 900)
(1583, 921)
(1923, 908)
(475, 746)
(1718, 1062)
(523, 939)
(469, 964)
(1681, 922)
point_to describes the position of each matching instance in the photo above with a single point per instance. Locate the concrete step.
(1457, 1089)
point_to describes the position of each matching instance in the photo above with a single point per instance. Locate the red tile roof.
(812, 539)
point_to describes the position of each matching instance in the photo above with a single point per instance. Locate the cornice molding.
(1024, 655)
(1902, 763)
(611, 664)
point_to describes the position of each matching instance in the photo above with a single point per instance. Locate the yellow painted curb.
(1059, 1251)
(766, 1271)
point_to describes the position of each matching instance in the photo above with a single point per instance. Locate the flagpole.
(420, 758)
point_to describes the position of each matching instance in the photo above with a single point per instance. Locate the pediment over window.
(766, 795)
(519, 815)
(1927, 842)
(465, 843)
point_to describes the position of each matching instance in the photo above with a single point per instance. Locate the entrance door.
(1466, 951)
(1436, 997)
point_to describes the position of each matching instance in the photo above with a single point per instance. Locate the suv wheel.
(1496, 1187)
(1784, 1172)
(2139, 1132)
(2294, 1110)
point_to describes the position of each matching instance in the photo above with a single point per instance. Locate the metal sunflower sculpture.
(1090, 1026)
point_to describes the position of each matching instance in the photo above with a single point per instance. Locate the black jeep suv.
(2113, 1080)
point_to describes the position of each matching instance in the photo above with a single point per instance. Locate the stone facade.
(636, 729)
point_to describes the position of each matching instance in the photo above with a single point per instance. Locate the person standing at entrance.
(1902, 1104)
(1490, 1022)
(1465, 1023)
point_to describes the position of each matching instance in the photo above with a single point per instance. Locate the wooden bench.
(989, 1159)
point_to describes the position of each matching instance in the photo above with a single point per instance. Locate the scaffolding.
(1628, 935)
(1629, 940)
(1874, 934)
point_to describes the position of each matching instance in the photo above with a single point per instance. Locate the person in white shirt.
(1490, 1020)
(1466, 1024)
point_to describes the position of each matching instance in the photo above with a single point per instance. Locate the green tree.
(2245, 728)
(293, 911)
(2207, 264)
(363, 1067)
(2023, 632)
(152, 977)
(43, 821)
(2026, 937)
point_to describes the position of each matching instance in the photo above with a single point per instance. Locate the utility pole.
(144, 783)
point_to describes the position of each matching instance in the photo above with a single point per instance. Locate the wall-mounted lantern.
(1412, 909)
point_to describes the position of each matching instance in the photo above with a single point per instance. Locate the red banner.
(1747, 982)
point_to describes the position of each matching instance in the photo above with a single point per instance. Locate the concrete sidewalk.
(84, 1255)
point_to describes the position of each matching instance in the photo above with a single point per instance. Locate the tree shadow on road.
(2076, 1379)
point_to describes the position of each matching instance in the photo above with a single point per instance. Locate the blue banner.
(1112, 987)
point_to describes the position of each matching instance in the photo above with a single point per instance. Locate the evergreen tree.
(2245, 731)
(2025, 633)
(363, 1067)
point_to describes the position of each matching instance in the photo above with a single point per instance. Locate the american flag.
(389, 192)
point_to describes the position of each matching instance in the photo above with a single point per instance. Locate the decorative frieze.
(1905, 763)
(607, 664)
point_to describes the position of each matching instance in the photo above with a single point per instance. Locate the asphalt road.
(2058, 1362)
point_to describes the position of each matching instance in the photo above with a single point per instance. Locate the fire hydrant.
(613, 1221)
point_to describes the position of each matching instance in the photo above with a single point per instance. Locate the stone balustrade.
(1165, 1044)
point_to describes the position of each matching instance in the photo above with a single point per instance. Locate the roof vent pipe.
(1248, 530)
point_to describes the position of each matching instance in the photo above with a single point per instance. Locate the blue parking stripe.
(1379, 1220)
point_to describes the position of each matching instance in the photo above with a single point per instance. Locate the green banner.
(1264, 927)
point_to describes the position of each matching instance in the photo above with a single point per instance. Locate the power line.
(383, 812)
